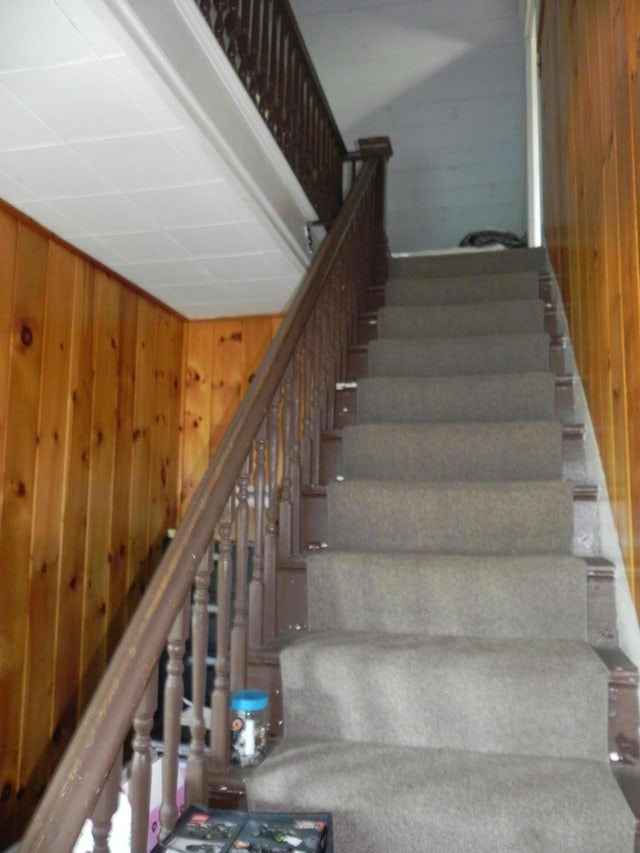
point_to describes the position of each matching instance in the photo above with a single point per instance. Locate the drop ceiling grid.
(100, 154)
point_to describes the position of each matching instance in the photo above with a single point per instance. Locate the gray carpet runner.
(445, 698)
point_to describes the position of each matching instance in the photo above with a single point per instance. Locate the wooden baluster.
(231, 29)
(266, 82)
(218, 23)
(106, 807)
(321, 369)
(220, 694)
(311, 459)
(271, 532)
(173, 696)
(282, 87)
(254, 49)
(333, 343)
(285, 521)
(256, 588)
(296, 460)
(197, 762)
(140, 782)
(243, 42)
(276, 73)
(239, 638)
(205, 8)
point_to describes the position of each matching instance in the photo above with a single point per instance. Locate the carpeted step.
(462, 289)
(456, 595)
(468, 263)
(385, 798)
(469, 320)
(449, 518)
(529, 450)
(524, 396)
(462, 356)
(531, 697)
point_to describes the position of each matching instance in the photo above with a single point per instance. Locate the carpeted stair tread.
(460, 356)
(481, 694)
(454, 595)
(468, 263)
(462, 289)
(386, 798)
(469, 320)
(523, 396)
(448, 518)
(530, 450)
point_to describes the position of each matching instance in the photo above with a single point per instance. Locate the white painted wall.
(445, 80)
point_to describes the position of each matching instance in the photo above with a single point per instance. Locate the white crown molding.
(173, 37)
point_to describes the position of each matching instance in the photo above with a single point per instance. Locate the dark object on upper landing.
(494, 238)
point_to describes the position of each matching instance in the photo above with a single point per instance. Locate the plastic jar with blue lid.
(249, 727)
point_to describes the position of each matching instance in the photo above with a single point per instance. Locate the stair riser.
(314, 525)
(502, 318)
(346, 413)
(463, 289)
(508, 354)
(488, 452)
(447, 694)
(456, 596)
(358, 358)
(572, 460)
(453, 518)
(469, 263)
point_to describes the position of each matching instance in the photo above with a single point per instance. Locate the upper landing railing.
(262, 42)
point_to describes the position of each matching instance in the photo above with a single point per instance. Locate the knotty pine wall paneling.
(591, 138)
(221, 355)
(90, 459)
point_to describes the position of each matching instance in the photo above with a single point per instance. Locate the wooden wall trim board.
(96, 460)
(591, 137)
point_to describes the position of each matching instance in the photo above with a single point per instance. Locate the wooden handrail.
(89, 758)
(264, 45)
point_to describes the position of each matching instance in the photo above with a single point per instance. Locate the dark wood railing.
(272, 450)
(263, 43)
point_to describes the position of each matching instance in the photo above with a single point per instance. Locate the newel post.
(380, 148)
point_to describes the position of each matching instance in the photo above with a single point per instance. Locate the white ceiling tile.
(187, 293)
(93, 247)
(192, 145)
(151, 97)
(105, 214)
(47, 215)
(19, 127)
(96, 32)
(150, 246)
(183, 206)
(253, 266)
(52, 40)
(53, 171)
(12, 191)
(139, 162)
(79, 101)
(240, 207)
(166, 273)
(221, 240)
(279, 288)
(235, 308)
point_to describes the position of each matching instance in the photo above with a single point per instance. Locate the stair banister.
(88, 761)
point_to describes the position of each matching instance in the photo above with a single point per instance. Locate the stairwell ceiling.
(95, 147)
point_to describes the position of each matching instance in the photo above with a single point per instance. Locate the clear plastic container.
(249, 727)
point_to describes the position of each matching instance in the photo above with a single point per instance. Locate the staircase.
(446, 696)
